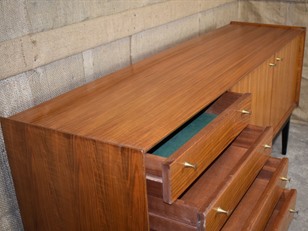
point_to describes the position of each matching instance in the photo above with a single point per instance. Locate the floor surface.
(298, 171)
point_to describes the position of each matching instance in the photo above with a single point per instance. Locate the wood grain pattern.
(284, 83)
(223, 184)
(256, 207)
(200, 150)
(281, 217)
(259, 84)
(160, 223)
(204, 148)
(67, 182)
(275, 88)
(79, 160)
(139, 105)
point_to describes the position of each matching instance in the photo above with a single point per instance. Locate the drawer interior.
(189, 130)
(201, 194)
(182, 135)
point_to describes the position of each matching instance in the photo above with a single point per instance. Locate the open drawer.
(210, 200)
(257, 206)
(283, 213)
(179, 159)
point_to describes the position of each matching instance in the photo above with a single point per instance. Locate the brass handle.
(285, 179)
(267, 146)
(279, 59)
(245, 112)
(293, 211)
(189, 165)
(220, 210)
(272, 64)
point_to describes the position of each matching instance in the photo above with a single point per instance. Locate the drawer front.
(239, 181)
(283, 213)
(269, 198)
(255, 208)
(182, 168)
(159, 223)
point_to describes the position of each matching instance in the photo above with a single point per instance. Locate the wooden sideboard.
(178, 141)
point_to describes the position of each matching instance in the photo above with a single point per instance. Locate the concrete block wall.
(50, 47)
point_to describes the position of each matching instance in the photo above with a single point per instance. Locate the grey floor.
(298, 171)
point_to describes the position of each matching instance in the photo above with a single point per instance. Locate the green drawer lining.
(170, 145)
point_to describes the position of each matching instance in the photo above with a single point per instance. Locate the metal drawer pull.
(285, 179)
(279, 59)
(245, 112)
(267, 146)
(220, 210)
(272, 64)
(189, 165)
(293, 211)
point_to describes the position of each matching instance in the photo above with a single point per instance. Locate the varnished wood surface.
(207, 145)
(275, 88)
(256, 207)
(200, 150)
(66, 182)
(143, 103)
(222, 185)
(282, 217)
(203, 148)
(164, 224)
(259, 84)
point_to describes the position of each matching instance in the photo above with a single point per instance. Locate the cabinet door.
(284, 84)
(259, 84)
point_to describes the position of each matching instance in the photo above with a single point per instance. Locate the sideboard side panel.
(66, 182)
(300, 59)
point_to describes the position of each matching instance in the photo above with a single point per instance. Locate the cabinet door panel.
(259, 84)
(284, 84)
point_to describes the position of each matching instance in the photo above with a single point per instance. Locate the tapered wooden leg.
(285, 137)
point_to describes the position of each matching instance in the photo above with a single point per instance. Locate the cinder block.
(13, 19)
(15, 95)
(56, 78)
(46, 15)
(87, 57)
(8, 201)
(11, 221)
(152, 41)
(298, 16)
(111, 57)
(218, 16)
(274, 12)
(301, 113)
(208, 4)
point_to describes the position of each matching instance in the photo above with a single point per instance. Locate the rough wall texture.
(50, 47)
(291, 12)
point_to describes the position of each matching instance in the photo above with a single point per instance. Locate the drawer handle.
(285, 179)
(189, 165)
(267, 146)
(245, 112)
(272, 64)
(220, 210)
(279, 59)
(293, 211)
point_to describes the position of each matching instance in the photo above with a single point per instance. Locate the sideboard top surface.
(141, 104)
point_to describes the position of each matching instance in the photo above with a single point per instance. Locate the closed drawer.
(162, 223)
(178, 160)
(255, 209)
(284, 212)
(212, 198)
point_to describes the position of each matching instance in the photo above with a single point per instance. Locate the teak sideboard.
(178, 141)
